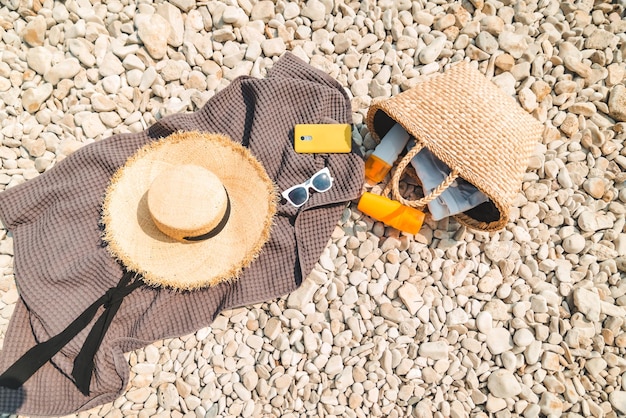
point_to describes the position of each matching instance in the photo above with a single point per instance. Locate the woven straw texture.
(140, 245)
(469, 123)
(61, 265)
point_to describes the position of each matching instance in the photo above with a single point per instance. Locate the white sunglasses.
(299, 194)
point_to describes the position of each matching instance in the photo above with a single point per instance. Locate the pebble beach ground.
(529, 321)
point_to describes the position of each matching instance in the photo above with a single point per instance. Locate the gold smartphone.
(322, 138)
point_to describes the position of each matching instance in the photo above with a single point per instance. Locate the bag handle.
(395, 181)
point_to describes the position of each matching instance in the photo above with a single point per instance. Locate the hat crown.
(186, 201)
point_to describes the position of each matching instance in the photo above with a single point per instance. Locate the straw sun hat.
(189, 211)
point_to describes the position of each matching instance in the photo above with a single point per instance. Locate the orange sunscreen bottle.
(391, 212)
(380, 161)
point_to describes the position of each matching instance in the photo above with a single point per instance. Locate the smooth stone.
(273, 47)
(444, 22)
(595, 365)
(303, 295)
(168, 396)
(350, 297)
(152, 354)
(192, 402)
(264, 11)
(498, 250)
(457, 316)
(582, 69)
(538, 304)
(409, 295)
(505, 62)
(574, 244)
(528, 99)
(503, 384)
(92, 125)
(487, 42)
(334, 366)
(484, 322)
(39, 59)
(586, 109)
(595, 187)
(589, 221)
(616, 73)
(174, 17)
(553, 384)
(357, 277)
(389, 312)
(499, 340)
(513, 43)
(133, 62)
(550, 404)
(35, 31)
(184, 5)
(33, 98)
(235, 16)
(550, 361)
(494, 404)
(492, 24)
(533, 352)
(360, 87)
(342, 339)
(138, 396)
(601, 39)
(435, 350)
(571, 51)
(80, 48)
(344, 379)
(422, 17)
(506, 81)
(610, 309)
(431, 52)
(405, 42)
(112, 84)
(250, 380)
(291, 10)
(154, 32)
(273, 328)
(173, 70)
(10, 297)
(35, 147)
(523, 337)
(101, 103)
(314, 10)
(242, 392)
(65, 69)
(212, 411)
(366, 41)
(617, 102)
(471, 345)
(255, 342)
(490, 281)
(618, 401)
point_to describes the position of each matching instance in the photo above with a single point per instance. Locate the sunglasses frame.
(308, 184)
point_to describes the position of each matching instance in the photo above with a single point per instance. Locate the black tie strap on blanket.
(16, 375)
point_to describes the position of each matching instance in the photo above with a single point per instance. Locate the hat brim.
(135, 240)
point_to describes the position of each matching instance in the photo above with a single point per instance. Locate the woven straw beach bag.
(469, 123)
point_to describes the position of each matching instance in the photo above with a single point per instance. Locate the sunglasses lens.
(321, 182)
(298, 196)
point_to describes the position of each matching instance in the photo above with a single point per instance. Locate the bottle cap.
(376, 169)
